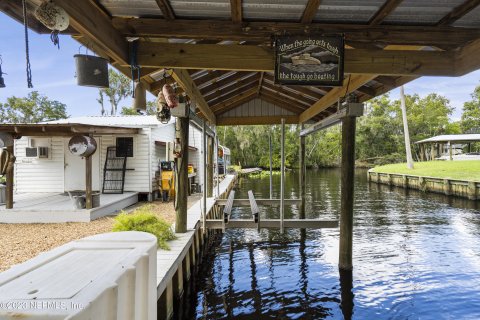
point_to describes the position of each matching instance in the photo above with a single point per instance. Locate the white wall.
(39, 175)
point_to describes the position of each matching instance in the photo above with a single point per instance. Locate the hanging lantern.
(140, 100)
(170, 96)
(92, 71)
(53, 17)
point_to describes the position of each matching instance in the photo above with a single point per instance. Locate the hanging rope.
(27, 50)
(55, 39)
(134, 64)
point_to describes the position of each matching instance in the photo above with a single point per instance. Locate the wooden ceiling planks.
(458, 12)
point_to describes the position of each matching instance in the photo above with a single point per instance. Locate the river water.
(416, 256)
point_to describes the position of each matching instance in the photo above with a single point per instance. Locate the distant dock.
(247, 171)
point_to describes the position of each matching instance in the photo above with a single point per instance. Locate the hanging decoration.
(27, 49)
(140, 99)
(2, 81)
(92, 71)
(163, 111)
(54, 18)
(7, 160)
(170, 96)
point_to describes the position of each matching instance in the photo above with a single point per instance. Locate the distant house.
(54, 169)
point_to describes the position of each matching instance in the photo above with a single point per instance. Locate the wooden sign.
(309, 60)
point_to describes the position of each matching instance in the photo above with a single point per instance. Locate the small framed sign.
(309, 60)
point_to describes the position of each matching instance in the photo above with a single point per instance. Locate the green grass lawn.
(461, 170)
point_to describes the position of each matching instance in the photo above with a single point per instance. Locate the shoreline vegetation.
(468, 170)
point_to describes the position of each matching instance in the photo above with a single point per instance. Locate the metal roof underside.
(225, 90)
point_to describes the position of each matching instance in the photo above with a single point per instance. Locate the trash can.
(96, 200)
(3, 194)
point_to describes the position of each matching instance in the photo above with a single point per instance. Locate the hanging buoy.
(170, 96)
(82, 146)
(163, 111)
(140, 100)
(92, 71)
(54, 18)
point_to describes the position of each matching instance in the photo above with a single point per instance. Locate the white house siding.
(195, 156)
(163, 134)
(40, 175)
(138, 179)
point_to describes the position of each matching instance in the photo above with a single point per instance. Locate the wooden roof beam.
(183, 78)
(236, 9)
(289, 94)
(252, 121)
(310, 11)
(232, 93)
(282, 102)
(166, 9)
(87, 19)
(234, 102)
(263, 31)
(384, 11)
(255, 58)
(226, 82)
(353, 82)
(458, 12)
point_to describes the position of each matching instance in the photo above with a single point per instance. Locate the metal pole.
(271, 179)
(204, 149)
(282, 178)
(405, 129)
(302, 174)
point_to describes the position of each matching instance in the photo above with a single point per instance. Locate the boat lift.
(225, 222)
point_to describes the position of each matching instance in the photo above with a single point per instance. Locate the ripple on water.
(416, 256)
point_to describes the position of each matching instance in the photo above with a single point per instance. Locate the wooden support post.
(282, 178)
(450, 150)
(181, 176)
(88, 182)
(422, 152)
(9, 186)
(472, 190)
(447, 187)
(302, 174)
(210, 168)
(270, 153)
(347, 189)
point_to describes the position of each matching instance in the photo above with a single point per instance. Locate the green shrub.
(142, 220)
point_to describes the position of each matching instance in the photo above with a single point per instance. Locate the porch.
(58, 208)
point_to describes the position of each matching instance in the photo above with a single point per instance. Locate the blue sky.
(54, 70)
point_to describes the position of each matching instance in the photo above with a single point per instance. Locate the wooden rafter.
(255, 58)
(96, 27)
(353, 83)
(166, 9)
(288, 93)
(210, 76)
(263, 31)
(310, 11)
(384, 11)
(301, 89)
(268, 97)
(458, 12)
(367, 90)
(260, 81)
(232, 93)
(226, 81)
(236, 9)
(251, 121)
(233, 102)
(285, 103)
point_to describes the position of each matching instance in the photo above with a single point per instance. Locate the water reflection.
(415, 256)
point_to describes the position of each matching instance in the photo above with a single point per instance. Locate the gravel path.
(21, 242)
